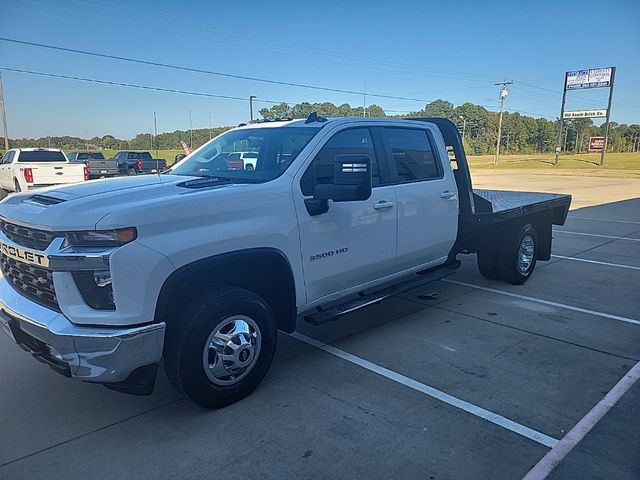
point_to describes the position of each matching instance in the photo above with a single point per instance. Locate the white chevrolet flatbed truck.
(23, 169)
(199, 267)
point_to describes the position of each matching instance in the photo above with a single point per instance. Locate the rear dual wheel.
(515, 257)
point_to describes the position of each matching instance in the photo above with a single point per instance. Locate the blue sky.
(424, 50)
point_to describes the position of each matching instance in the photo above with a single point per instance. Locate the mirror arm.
(316, 206)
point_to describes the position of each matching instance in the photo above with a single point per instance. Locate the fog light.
(102, 278)
(54, 353)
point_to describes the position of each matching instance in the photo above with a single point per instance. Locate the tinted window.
(90, 156)
(41, 156)
(412, 154)
(140, 155)
(321, 170)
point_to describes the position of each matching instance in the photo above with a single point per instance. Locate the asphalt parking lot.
(462, 379)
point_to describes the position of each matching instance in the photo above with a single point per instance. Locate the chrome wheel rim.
(232, 349)
(526, 254)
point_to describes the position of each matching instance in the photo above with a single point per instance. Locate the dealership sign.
(596, 144)
(592, 78)
(585, 114)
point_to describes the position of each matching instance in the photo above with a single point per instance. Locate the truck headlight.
(101, 238)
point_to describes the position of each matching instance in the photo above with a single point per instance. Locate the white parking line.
(554, 456)
(605, 220)
(432, 392)
(596, 235)
(545, 302)
(596, 262)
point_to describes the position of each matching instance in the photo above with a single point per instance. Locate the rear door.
(353, 243)
(426, 194)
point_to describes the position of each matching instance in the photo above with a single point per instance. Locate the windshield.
(91, 155)
(41, 156)
(249, 154)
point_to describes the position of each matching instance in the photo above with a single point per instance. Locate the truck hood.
(82, 205)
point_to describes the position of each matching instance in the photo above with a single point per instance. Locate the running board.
(337, 311)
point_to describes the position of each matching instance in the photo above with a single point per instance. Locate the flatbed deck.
(498, 205)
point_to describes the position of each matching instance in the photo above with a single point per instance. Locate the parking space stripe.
(554, 456)
(544, 302)
(605, 220)
(432, 392)
(596, 235)
(619, 265)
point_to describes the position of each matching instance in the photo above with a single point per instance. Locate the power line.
(207, 72)
(132, 85)
(204, 94)
(425, 70)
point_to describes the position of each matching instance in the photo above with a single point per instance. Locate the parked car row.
(27, 168)
(122, 163)
(23, 169)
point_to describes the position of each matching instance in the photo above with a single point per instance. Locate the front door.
(354, 243)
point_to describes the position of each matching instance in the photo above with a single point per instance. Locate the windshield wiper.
(204, 181)
(234, 179)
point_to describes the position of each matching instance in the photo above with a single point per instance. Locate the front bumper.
(117, 357)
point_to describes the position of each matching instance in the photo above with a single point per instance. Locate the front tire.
(219, 350)
(518, 254)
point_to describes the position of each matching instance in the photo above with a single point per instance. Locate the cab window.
(413, 157)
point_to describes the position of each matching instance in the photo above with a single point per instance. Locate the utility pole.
(4, 117)
(251, 97)
(190, 131)
(155, 140)
(464, 126)
(364, 100)
(209, 125)
(504, 92)
(561, 121)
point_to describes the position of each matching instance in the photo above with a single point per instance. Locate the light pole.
(464, 126)
(504, 92)
(251, 97)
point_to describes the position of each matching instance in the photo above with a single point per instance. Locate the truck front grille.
(26, 236)
(34, 282)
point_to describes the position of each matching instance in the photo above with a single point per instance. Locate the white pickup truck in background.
(23, 169)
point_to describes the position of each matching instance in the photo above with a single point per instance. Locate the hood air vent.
(44, 200)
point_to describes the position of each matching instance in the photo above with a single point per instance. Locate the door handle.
(381, 205)
(447, 195)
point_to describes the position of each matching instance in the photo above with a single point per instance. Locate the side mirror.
(178, 157)
(351, 180)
